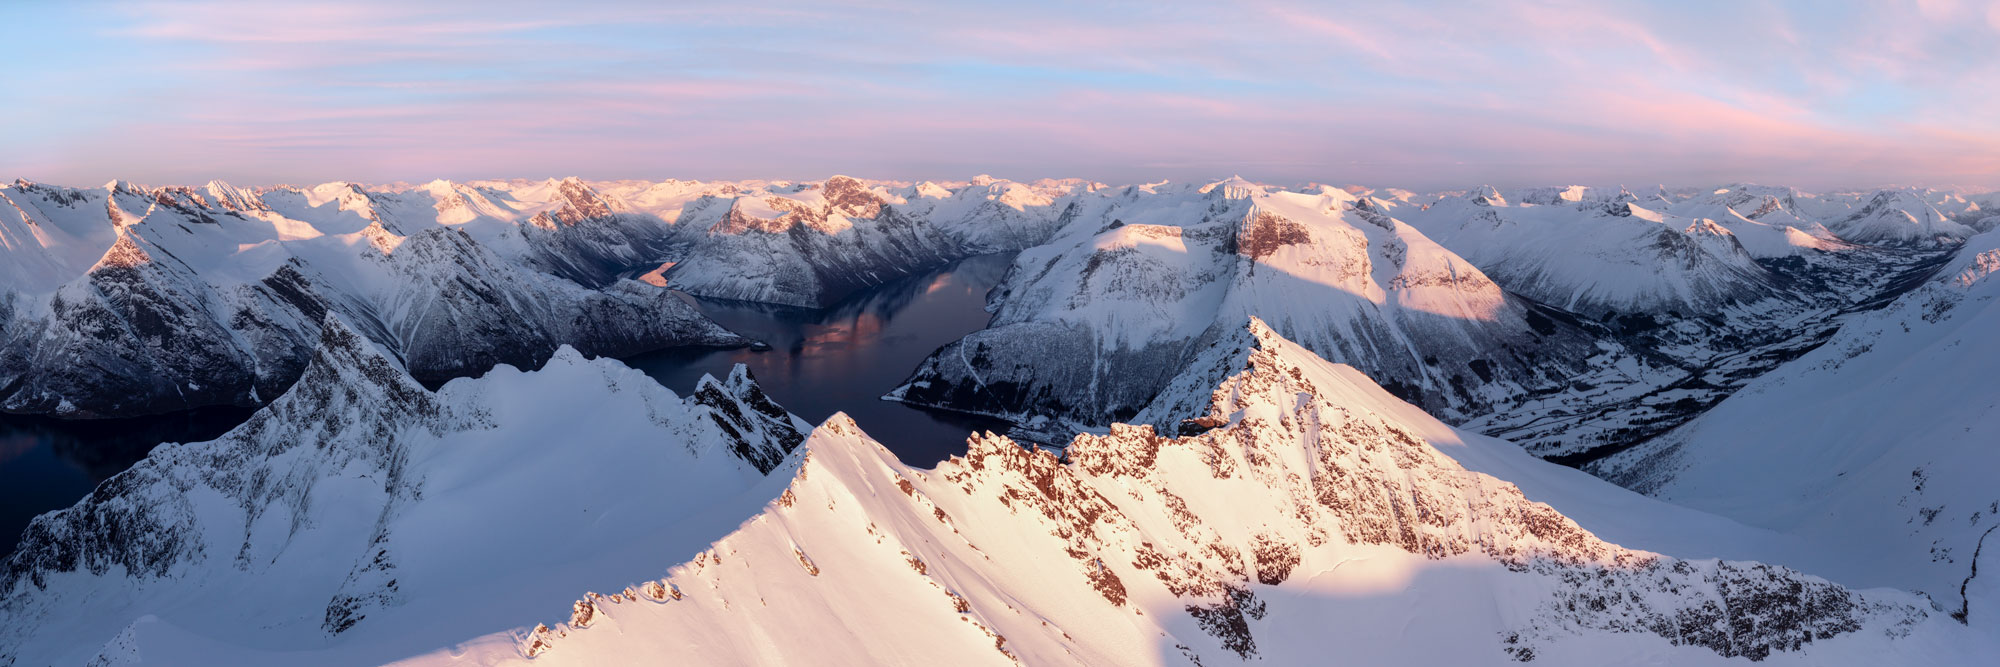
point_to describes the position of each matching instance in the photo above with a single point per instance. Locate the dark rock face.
(761, 432)
(850, 198)
(1266, 232)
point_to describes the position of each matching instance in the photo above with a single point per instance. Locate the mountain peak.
(762, 431)
(118, 186)
(1234, 187)
(1486, 195)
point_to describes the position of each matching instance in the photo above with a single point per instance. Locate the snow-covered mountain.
(1259, 502)
(1900, 217)
(810, 247)
(127, 300)
(988, 215)
(1879, 444)
(193, 301)
(365, 518)
(1722, 294)
(1601, 257)
(1091, 325)
(812, 244)
(1300, 512)
(1566, 194)
(1764, 219)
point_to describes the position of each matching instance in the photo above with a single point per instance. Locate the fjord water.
(48, 464)
(845, 357)
(841, 358)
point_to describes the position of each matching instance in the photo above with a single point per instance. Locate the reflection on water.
(48, 464)
(845, 357)
(841, 358)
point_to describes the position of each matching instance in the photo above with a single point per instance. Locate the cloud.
(1431, 95)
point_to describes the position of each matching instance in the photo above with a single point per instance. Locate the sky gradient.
(1425, 95)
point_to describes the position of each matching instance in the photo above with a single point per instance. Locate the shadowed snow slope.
(361, 518)
(1880, 443)
(1303, 513)
(1091, 325)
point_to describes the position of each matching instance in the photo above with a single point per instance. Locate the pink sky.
(1422, 95)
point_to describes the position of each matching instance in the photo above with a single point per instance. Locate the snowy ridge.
(340, 516)
(1291, 520)
(1090, 326)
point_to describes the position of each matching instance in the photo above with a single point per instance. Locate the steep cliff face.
(1090, 326)
(359, 492)
(1295, 511)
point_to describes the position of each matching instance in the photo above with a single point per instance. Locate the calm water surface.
(844, 358)
(49, 464)
(841, 358)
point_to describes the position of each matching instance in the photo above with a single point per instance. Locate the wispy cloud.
(1425, 95)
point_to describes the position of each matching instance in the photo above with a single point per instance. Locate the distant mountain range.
(1253, 423)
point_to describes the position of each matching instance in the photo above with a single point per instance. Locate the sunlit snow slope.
(1303, 513)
